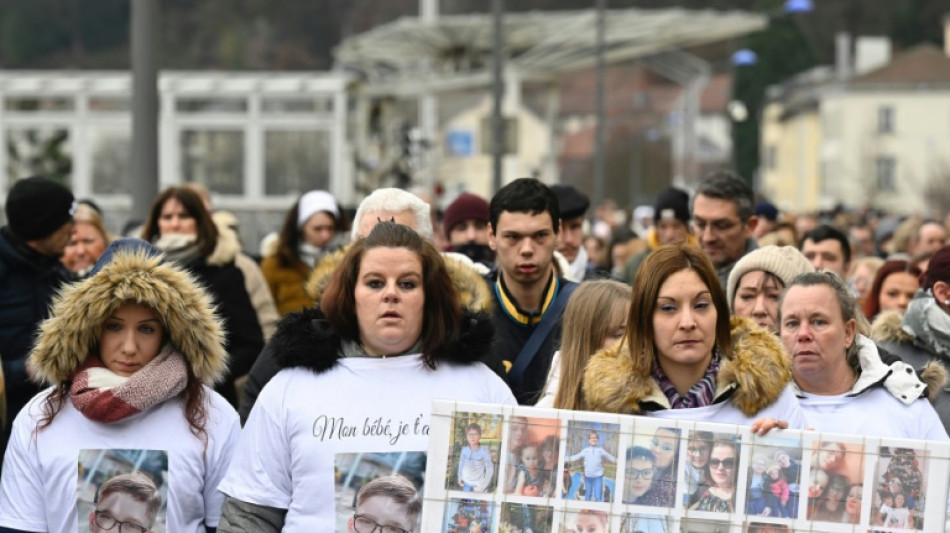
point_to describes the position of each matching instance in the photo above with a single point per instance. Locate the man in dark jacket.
(525, 219)
(39, 223)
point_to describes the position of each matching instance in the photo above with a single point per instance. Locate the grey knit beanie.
(785, 262)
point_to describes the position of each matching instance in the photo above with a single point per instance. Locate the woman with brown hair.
(388, 337)
(682, 357)
(180, 225)
(129, 354)
(309, 232)
(893, 288)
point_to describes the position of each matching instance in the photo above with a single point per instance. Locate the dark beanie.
(572, 202)
(938, 269)
(37, 207)
(466, 207)
(672, 203)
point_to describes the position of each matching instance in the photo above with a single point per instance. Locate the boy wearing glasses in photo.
(387, 504)
(593, 457)
(127, 503)
(638, 477)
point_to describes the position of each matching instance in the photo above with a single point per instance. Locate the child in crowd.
(887, 507)
(532, 481)
(475, 466)
(593, 456)
(900, 516)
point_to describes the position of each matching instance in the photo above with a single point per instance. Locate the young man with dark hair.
(828, 249)
(573, 205)
(724, 220)
(529, 295)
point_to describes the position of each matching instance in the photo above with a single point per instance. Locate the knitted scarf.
(101, 395)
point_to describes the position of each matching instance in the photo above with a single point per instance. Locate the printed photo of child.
(533, 465)
(656, 488)
(468, 516)
(773, 478)
(474, 451)
(594, 459)
(520, 518)
(836, 469)
(644, 523)
(900, 488)
(585, 521)
(122, 488)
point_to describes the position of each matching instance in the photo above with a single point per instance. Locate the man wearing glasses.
(127, 503)
(724, 220)
(388, 504)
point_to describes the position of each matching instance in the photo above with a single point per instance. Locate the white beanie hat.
(314, 202)
(785, 262)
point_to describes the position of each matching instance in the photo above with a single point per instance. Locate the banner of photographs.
(494, 468)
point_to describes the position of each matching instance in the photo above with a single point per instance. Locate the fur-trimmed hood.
(474, 293)
(752, 377)
(888, 327)
(80, 310)
(889, 331)
(308, 340)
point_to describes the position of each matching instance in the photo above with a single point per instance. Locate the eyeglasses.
(365, 524)
(728, 463)
(646, 473)
(106, 521)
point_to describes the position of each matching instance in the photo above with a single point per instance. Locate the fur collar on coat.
(307, 340)
(474, 293)
(888, 329)
(752, 377)
(81, 309)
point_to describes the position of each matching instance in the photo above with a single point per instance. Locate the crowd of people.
(253, 375)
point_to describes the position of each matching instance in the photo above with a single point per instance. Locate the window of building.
(214, 158)
(886, 170)
(885, 119)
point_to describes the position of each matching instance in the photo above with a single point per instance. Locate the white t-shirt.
(302, 420)
(874, 413)
(785, 407)
(38, 491)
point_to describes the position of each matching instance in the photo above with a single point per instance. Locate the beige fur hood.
(752, 377)
(132, 271)
(472, 289)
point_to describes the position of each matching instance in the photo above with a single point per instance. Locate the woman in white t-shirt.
(358, 378)
(129, 353)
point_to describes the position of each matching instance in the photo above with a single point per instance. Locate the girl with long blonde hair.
(595, 317)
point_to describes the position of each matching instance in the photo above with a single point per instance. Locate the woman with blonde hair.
(89, 239)
(683, 358)
(595, 317)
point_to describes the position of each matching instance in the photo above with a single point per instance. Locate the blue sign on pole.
(460, 143)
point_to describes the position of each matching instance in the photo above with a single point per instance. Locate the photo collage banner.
(494, 468)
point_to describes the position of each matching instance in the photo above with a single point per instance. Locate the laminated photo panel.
(787, 472)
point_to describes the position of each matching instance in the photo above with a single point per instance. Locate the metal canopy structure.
(410, 55)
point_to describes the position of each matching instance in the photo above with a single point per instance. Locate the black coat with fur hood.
(308, 340)
(474, 297)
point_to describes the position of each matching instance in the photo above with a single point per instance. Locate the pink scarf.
(101, 395)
